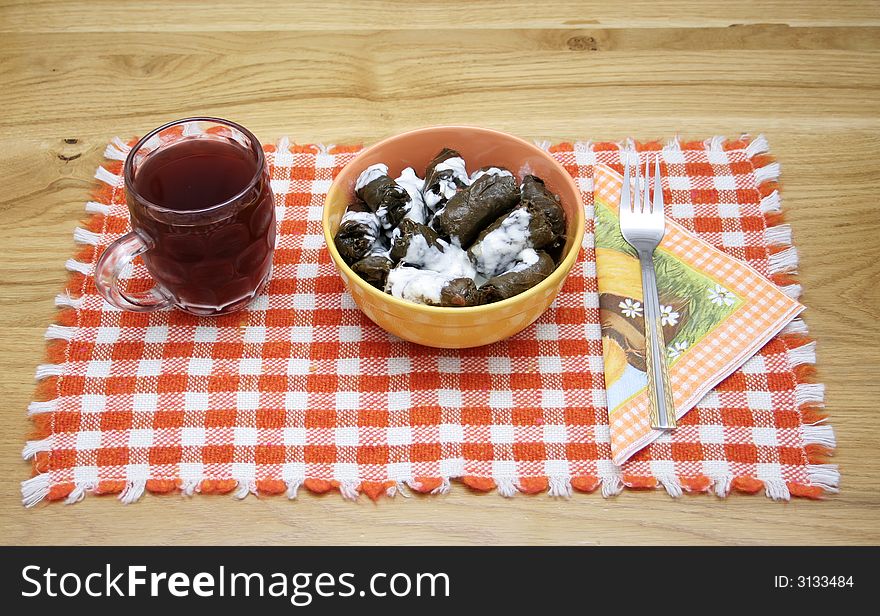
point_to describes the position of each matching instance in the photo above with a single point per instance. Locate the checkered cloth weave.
(302, 389)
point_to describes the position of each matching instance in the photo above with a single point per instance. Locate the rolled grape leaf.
(357, 233)
(528, 272)
(444, 176)
(373, 269)
(383, 196)
(460, 292)
(431, 288)
(497, 247)
(475, 207)
(536, 195)
(403, 238)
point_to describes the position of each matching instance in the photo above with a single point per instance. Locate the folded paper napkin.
(302, 390)
(715, 311)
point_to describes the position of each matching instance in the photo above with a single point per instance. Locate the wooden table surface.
(806, 73)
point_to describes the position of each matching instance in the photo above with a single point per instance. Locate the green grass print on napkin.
(674, 278)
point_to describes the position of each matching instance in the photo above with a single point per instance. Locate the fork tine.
(625, 199)
(637, 201)
(646, 194)
(658, 188)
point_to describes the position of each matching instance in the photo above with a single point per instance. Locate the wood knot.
(583, 43)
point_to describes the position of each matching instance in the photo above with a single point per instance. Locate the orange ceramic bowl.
(443, 327)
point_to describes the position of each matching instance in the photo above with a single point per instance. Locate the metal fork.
(643, 225)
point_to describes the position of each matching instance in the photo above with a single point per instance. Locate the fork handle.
(659, 391)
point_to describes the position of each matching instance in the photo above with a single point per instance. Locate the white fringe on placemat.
(109, 178)
(245, 487)
(770, 204)
(73, 265)
(79, 492)
(506, 486)
(46, 370)
(444, 487)
(38, 408)
(758, 145)
(84, 236)
(796, 326)
(133, 491)
(767, 173)
(559, 485)
(349, 488)
(778, 235)
(188, 487)
(671, 484)
(32, 448)
(612, 486)
(804, 354)
(117, 149)
(398, 488)
(60, 332)
(721, 484)
(35, 489)
(825, 476)
(783, 261)
(64, 300)
(776, 489)
(293, 488)
(93, 207)
(793, 291)
(809, 393)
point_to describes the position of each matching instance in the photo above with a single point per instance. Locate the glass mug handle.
(113, 262)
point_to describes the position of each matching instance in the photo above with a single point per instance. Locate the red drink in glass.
(203, 218)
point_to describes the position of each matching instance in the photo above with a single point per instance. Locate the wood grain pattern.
(74, 74)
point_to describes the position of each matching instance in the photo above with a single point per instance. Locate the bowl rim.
(564, 266)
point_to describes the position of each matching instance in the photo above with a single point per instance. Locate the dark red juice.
(211, 243)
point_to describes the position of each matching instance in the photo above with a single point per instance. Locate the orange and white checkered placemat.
(302, 390)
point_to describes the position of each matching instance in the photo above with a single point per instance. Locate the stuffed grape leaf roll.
(536, 195)
(473, 208)
(531, 268)
(431, 288)
(373, 269)
(357, 233)
(383, 195)
(444, 176)
(498, 245)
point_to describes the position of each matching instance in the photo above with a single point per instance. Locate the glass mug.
(202, 218)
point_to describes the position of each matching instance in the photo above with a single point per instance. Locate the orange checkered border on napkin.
(539, 427)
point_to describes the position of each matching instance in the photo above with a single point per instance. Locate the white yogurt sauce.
(415, 285)
(382, 215)
(457, 165)
(525, 260)
(451, 261)
(490, 171)
(501, 248)
(369, 174)
(413, 185)
(447, 187)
